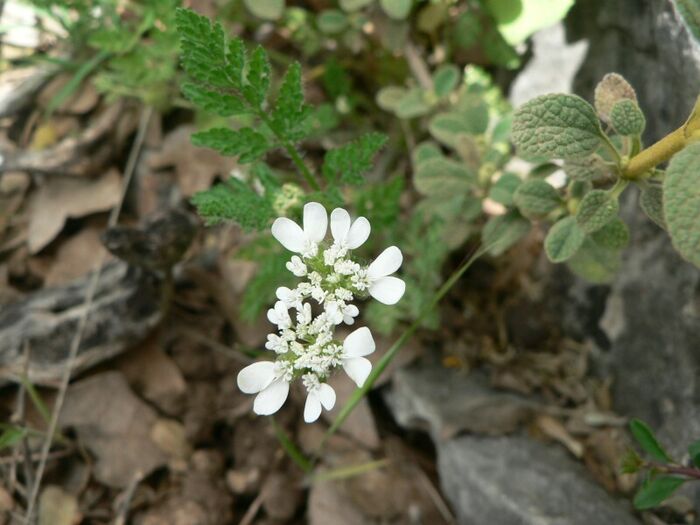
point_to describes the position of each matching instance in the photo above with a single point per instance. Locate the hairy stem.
(689, 472)
(655, 154)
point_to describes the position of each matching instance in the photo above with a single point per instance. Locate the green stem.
(290, 448)
(391, 353)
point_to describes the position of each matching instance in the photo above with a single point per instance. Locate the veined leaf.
(246, 144)
(647, 440)
(656, 490)
(348, 163)
(563, 240)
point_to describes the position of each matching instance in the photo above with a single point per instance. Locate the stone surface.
(517, 481)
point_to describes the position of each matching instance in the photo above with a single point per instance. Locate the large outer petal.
(358, 343)
(327, 396)
(315, 221)
(312, 407)
(289, 234)
(359, 233)
(387, 290)
(358, 368)
(340, 225)
(256, 377)
(387, 263)
(272, 398)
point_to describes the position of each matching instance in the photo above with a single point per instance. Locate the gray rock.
(516, 481)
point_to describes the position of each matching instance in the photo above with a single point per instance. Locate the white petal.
(357, 368)
(340, 225)
(283, 294)
(387, 290)
(312, 407)
(289, 234)
(272, 398)
(359, 233)
(256, 377)
(315, 221)
(359, 343)
(387, 263)
(327, 396)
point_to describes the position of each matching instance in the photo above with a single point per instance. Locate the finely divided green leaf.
(213, 101)
(563, 240)
(627, 118)
(350, 162)
(246, 144)
(503, 231)
(597, 209)
(290, 111)
(203, 48)
(235, 201)
(656, 490)
(258, 84)
(681, 202)
(557, 126)
(647, 440)
(536, 198)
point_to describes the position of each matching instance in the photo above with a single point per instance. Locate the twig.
(417, 65)
(253, 510)
(127, 496)
(82, 323)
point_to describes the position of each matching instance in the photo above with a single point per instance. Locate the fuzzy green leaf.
(332, 21)
(350, 6)
(504, 188)
(290, 112)
(425, 151)
(647, 440)
(412, 104)
(246, 144)
(563, 240)
(234, 201)
(213, 101)
(536, 198)
(656, 490)
(652, 203)
(690, 12)
(597, 209)
(447, 127)
(446, 79)
(443, 176)
(614, 235)
(588, 168)
(350, 162)
(609, 91)
(681, 202)
(627, 118)
(265, 9)
(255, 91)
(595, 263)
(557, 126)
(503, 231)
(396, 9)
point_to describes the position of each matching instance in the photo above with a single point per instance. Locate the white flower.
(349, 313)
(290, 298)
(277, 344)
(270, 381)
(304, 241)
(279, 316)
(357, 345)
(304, 314)
(319, 395)
(382, 287)
(297, 266)
(347, 234)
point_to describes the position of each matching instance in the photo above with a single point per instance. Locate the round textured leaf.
(611, 90)
(442, 176)
(503, 189)
(265, 9)
(446, 79)
(332, 21)
(614, 235)
(353, 5)
(396, 9)
(563, 240)
(503, 231)
(595, 263)
(588, 168)
(536, 198)
(447, 127)
(390, 97)
(627, 118)
(681, 202)
(412, 104)
(652, 203)
(556, 126)
(425, 151)
(597, 209)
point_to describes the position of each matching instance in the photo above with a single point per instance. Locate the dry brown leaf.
(81, 101)
(57, 507)
(75, 257)
(555, 430)
(61, 198)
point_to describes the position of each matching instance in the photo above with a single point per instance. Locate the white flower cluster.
(307, 316)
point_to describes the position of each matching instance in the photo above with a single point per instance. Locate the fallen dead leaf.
(57, 507)
(169, 435)
(75, 257)
(555, 430)
(61, 198)
(329, 503)
(282, 495)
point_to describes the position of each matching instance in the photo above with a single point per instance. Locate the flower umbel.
(305, 342)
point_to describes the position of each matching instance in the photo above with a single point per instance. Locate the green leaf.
(11, 435)
(213, 101)
(681, 202)
(234, 201)
(519, 20)
(595, 263)
(627, 118)
(503, 189)
(388, 98)
(563, 240)
(203, 47)
(353, 5)
(557, 126)
(396, 9)
(611, 90)
(246, 144)
(255, 91)
(265, 9)
(536, 198)
(656, 490)
(588, 168)
(690, 12)
(647, 440)
(694, 451)
(446, 79)
(614, 235)
(503, 231)
(350, 162)
(597, 209)
(631, 462)
(652, 203)
(443, 176)
(425, 151)
(290, 112)
(412, 104)
(332, 21)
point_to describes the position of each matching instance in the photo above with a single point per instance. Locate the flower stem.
(296, 455)
(655, 154)
(391, 353)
